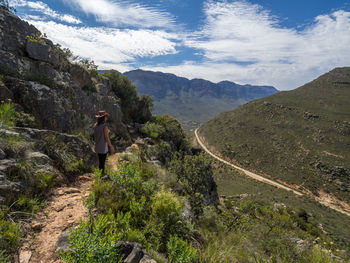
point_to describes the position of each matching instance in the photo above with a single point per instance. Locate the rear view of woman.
(101, 134)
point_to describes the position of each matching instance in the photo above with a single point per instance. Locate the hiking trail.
(65, 209)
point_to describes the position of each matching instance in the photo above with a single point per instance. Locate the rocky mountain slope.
(193, 101)
(40, 78)
(300, 137)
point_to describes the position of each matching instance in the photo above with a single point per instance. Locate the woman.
(102, 139)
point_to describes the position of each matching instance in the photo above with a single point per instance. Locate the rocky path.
(65, 209)
(323, 199)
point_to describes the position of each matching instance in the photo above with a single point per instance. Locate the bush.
(153, 130)
(3, 257)
(45, 181)
(123, 89)
(164, 152)
(9, 235)
(27, 206)
(7, 115)
(172, 131)
(180, 251)
(165, 203)
(94, 241)
(194, 172)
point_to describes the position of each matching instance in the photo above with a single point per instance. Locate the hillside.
(193, 101)
(300, 137)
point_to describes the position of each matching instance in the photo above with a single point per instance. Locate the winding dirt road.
(330, 202)
(248, 173)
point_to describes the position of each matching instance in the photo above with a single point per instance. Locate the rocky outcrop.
(38, 77)
(42, 52)
(27, 158)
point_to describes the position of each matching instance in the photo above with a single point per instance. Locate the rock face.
(41, 80)
(20, 165)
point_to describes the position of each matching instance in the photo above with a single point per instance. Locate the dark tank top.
(100, 141)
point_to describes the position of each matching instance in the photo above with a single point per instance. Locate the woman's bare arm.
(106, 133)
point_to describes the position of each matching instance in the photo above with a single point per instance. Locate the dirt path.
(324, 199)
(65, 209)
(248, 173)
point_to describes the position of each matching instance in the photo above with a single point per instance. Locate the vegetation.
(37, 38)
(181, 251)
(300, 137)
(195, 174)
(247, 231)
(7, 115)
(134, 203)
(95, 242)
(135, 207)
(123, 89)
(232, 183)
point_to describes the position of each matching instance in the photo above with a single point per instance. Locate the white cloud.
(242, 32)
(45, 10)
(109, 48)
(121, 13)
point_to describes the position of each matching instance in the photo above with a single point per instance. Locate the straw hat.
(102, 113)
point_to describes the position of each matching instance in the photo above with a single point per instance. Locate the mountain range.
(193, 101)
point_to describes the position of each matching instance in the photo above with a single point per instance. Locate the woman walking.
(102, 141)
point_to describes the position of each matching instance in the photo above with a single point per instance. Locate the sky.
(262, 42)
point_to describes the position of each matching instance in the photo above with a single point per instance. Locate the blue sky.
(267, 42)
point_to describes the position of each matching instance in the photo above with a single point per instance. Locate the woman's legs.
(102, 161)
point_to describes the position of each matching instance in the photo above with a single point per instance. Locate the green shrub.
(194, 172)
(165, 203)
(9, 235)
(180, 251)
(88, 65)
(7, 115)
(171, 132)
(25, 120)
(164, 152)
(61, 154)
(152, 130)
(94, 241)
(166, 220)
(123, 89)
(1, 79)
(45, 181)
(3, 257)
(28, 206)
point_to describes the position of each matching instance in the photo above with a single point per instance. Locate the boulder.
(147, 259)
(80, 76)
(13, 32)
(62, 244)
(42, 52)
(130, 251)
(37, 158)
(2, 154)
(5, 93)
(80, 149)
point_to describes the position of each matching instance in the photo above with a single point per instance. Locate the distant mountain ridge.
(193, 101)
